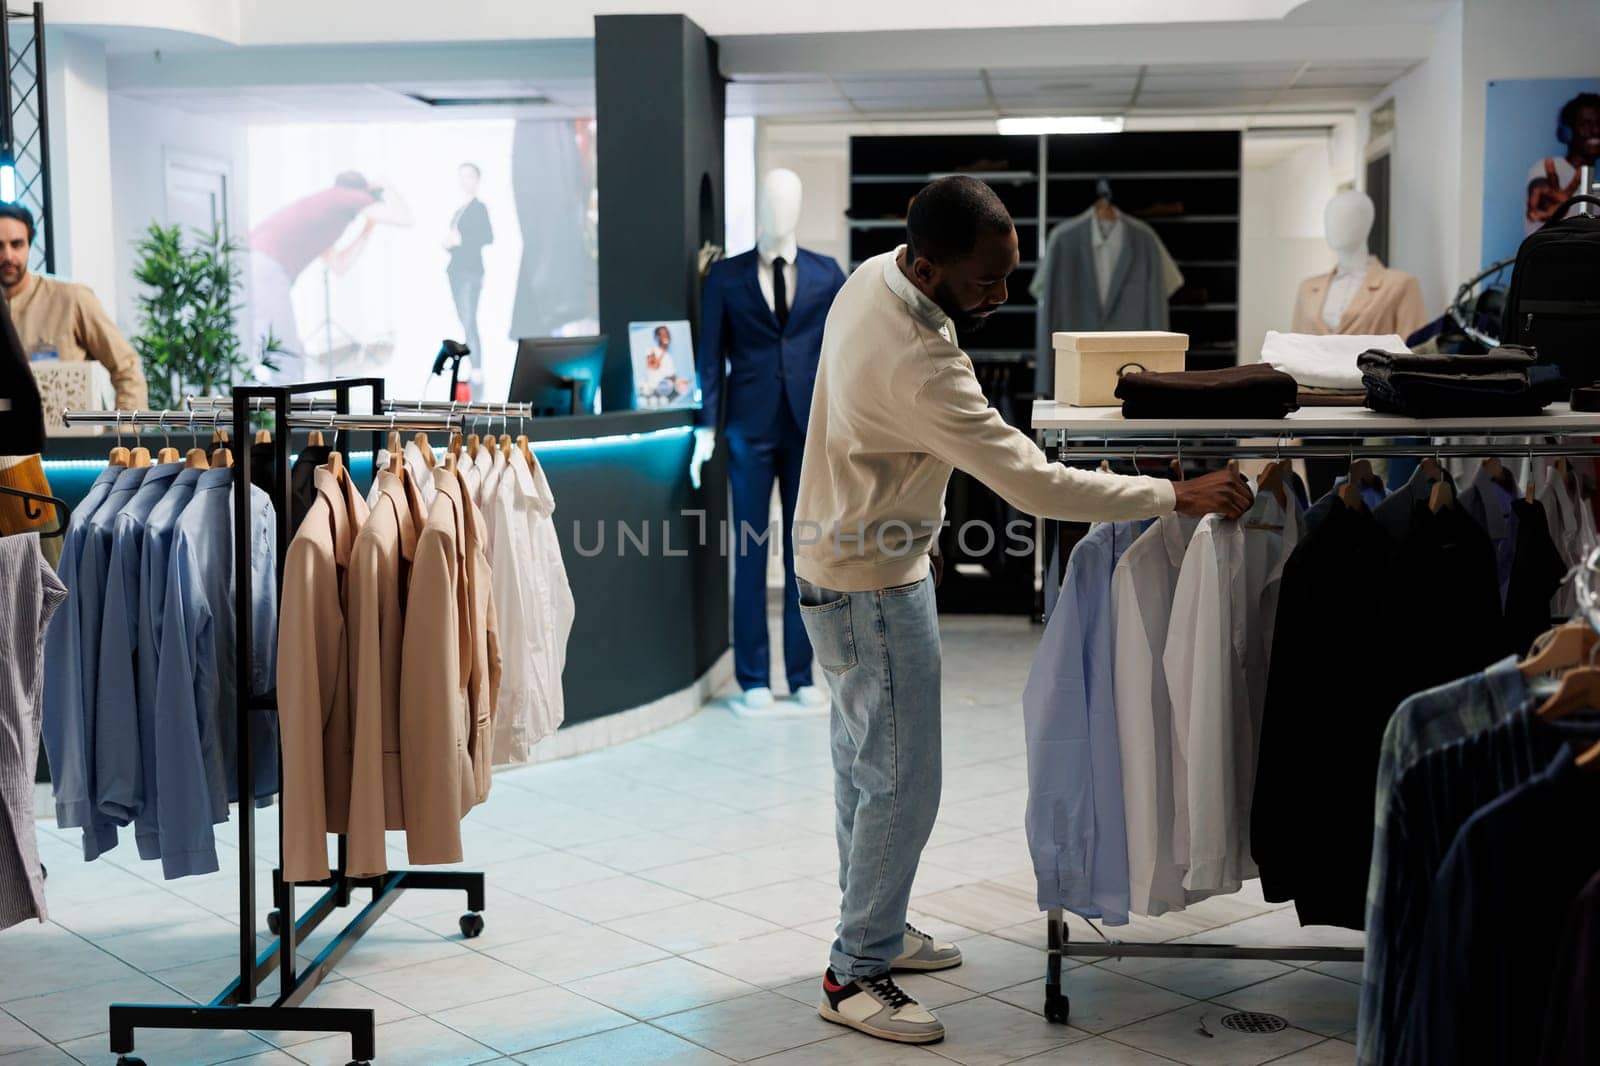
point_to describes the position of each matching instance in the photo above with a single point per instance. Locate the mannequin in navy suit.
(760, 336)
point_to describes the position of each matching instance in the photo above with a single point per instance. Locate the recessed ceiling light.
(1061, 124)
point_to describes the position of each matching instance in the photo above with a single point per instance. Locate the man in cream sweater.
(896, 408)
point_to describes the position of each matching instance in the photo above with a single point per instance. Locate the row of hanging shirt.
(139, 715)
(425, 632)
(1483, 901)
(1177, 713)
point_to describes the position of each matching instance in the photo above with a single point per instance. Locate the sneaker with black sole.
(878, 1007)
(922, 953)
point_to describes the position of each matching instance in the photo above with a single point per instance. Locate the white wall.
(820, 154)
(1283, 190)
(1427, 186)
(143, 137)
(80, 161)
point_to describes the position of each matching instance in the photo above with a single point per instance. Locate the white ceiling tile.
(881, 87)
(1213, 80)
(1242, 99)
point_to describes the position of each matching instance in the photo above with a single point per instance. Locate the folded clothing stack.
(1253, 391)
(1507, 381)
(1324, 362)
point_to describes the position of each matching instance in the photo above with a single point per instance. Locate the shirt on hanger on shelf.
(1219, 644)
(1077, 835)
(1537, 571)
(314, 677)
(421, 468)
(534, 610)
(1426, 722)
(154, 557)
(483, 463)
(1572, 527)
(1489, 503)
(1495, 917)
(30, 594)
(120, 754)
(198, 678)
(1142, 589)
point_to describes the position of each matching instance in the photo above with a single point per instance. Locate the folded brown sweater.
(1252, 391)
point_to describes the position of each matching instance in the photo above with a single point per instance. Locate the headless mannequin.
(777, 220)
(1347, 223)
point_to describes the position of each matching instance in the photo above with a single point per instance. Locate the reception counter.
(641, 547)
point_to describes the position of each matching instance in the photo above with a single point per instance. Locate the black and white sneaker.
(922, 953)
(878, 1007)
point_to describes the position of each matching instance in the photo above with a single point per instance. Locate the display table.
(1106, 423)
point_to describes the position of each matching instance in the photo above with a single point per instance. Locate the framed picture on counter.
(663, 364)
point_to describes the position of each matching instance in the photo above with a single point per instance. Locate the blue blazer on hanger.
(766, 368)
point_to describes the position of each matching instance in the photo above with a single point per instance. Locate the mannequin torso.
(1360, 295)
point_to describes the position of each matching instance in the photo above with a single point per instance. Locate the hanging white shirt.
(1107, 241)
(534, 602)
(491, 487)
(1573, 530)
(421, 471)
(1219, 644)
(484, 463)
(1142, 588)
(766, 252)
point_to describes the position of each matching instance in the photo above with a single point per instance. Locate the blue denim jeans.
(880, 651)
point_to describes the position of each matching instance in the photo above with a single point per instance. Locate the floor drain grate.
(1250, 1021)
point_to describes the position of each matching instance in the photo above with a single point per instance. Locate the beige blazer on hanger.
(313, 677)
(380, 575)
(1388, 301)
(449, 669)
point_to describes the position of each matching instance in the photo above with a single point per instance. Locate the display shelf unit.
(1184, 184)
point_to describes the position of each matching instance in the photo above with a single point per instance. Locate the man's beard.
(965, 322)
(10, 275)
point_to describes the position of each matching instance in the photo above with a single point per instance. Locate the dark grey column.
(659, 106)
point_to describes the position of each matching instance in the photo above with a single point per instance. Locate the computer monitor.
(558, 375)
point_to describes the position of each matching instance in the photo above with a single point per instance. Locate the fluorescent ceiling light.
(1061, 124)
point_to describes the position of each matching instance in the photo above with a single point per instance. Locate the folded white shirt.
(1324, 362)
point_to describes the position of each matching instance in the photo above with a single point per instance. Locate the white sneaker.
(758, 699)
(811, 696)
(922, 953)
(878, 1007)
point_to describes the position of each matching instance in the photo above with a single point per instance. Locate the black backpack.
(1554, 302)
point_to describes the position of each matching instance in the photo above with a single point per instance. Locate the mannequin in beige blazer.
(1388, 301)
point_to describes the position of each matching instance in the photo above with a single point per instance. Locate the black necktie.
(780, 292)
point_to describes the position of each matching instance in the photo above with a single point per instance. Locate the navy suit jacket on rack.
(765, 367)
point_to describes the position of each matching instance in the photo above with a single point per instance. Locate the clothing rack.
(233, 1008)
(1068, 434)
(32, 512)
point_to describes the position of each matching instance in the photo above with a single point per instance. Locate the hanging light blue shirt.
(1077, 833)
(155, 553)
(197, 673)
(119, 753)
(61, 728)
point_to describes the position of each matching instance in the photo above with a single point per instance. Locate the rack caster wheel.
(1057, 1009)
(471, 926)
(129, 1060)
(273, 923)
(359, 1062)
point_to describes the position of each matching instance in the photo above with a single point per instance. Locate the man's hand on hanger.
(1224, 492)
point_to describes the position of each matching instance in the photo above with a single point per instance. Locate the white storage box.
(1088, 364)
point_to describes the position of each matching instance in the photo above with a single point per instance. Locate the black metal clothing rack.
(1328, 432)
(235, 1008)
(33, 512)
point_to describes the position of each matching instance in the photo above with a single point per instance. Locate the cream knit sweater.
(895, 409)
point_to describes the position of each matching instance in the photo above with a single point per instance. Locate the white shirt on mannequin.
(1346, 280)
(767, 251)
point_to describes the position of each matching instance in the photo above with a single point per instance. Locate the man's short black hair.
(947, 215)
(1570, 109)
(21, 214)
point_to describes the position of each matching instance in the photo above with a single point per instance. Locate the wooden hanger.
(263, 436)
(168, 455)
(473, 442)
(139, 458)
(396, 463)
(1355, 477)
(1271, 480)
(1590, 759)
(1431, 469)
(450, 461)
(119, 456)
(335, 465)
(421, 441)
(222, 456)
(314, 439)
(219, 436)
(1560, 649)
(1579, 691)
(1176, 466)
(396, 446)
(455, 445)
(1494, 468)
(505, 446)
(1527, 492)
(527, 453)
(1105, 466)
(197, 460)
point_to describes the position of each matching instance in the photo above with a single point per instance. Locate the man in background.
(470, 233)
(61, 319)
(300, 233)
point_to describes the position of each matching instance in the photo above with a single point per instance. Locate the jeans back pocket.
(828, 626)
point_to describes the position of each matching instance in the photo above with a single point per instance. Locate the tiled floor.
(671, 901)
